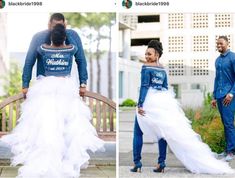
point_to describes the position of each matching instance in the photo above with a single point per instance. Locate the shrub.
(206, 122)
(128, 102)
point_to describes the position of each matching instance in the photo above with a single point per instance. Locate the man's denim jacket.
(152, 76)
(57, 62)
(225, 75)
(32, 55)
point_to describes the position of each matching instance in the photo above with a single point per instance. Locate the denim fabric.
(154, 77)
(227, 116)
(33, 56)
(225, 75)
(57, 62)
(138, 144)
(162, 144)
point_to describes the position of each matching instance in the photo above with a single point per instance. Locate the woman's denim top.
(154, 77)
(57, 61)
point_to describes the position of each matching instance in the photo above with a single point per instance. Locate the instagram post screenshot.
(57, 89)
(176, 73)
(117, 89)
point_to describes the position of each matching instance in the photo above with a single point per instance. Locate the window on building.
(200, 20)
(175, 20)
(130, 20)
(175, 43)
(195, 86)
(223, 20)
(176, 90)
(142, 41)
(200, 67)
(148, 18)
(200, 43)
(176, 67)
(121, 84)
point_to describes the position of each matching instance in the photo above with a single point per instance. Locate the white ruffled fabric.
(54, 131)
(164, 118)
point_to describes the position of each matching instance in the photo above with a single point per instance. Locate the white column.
(126, 43)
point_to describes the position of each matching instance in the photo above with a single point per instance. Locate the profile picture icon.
(127, 4)
(2, 4)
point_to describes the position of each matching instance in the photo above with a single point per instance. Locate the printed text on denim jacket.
(151, 76)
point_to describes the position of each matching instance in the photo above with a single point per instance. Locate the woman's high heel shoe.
(136, 168)
(159, 169)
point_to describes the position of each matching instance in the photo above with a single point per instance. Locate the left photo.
(57, 95)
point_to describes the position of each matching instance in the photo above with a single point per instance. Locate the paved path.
(170, 172)
(102, 164)
(90, 172)
(174, 168)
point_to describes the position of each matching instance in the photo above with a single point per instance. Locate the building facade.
(189, 48)
(4, 62)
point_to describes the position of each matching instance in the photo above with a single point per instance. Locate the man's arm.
(29, 62)
(228, 98)
(79, 56)
(232, 91)
(213, 101)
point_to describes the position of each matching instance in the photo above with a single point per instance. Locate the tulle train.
(164, 118)
(54, 131)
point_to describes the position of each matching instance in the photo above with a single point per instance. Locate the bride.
(54, 131)
(160, 117)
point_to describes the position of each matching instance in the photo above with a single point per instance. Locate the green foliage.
(12, 86)
(91, 20)
(12, 80)
(207, 123)
(128, 102)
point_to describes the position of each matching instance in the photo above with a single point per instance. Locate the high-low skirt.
(164, 118)
(54, 132)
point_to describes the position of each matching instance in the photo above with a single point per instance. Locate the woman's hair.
(58, 34)
(157, 45)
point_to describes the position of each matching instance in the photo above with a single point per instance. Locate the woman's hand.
(141, 111)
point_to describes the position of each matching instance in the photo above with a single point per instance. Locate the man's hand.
(213, 103)
(227, 100)
(24, 91)
(82, 91)
(141, 111)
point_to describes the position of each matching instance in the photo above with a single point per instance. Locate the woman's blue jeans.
(138, 143)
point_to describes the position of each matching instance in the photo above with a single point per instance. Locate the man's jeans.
(138, 143)
(227, 116)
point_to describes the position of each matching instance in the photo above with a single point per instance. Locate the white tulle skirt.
(54, 131)
(164, 118)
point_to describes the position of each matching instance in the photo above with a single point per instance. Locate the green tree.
(112, 20)
(95, 23)
(12, 80)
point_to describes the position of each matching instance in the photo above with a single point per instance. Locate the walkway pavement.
(102, 164)
(174, 168)
(91, 172)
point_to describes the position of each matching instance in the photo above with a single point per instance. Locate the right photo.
(176, 95)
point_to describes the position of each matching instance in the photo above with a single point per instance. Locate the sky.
(22, 26)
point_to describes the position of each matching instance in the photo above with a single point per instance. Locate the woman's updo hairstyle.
(58, 35)
(157, 45)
